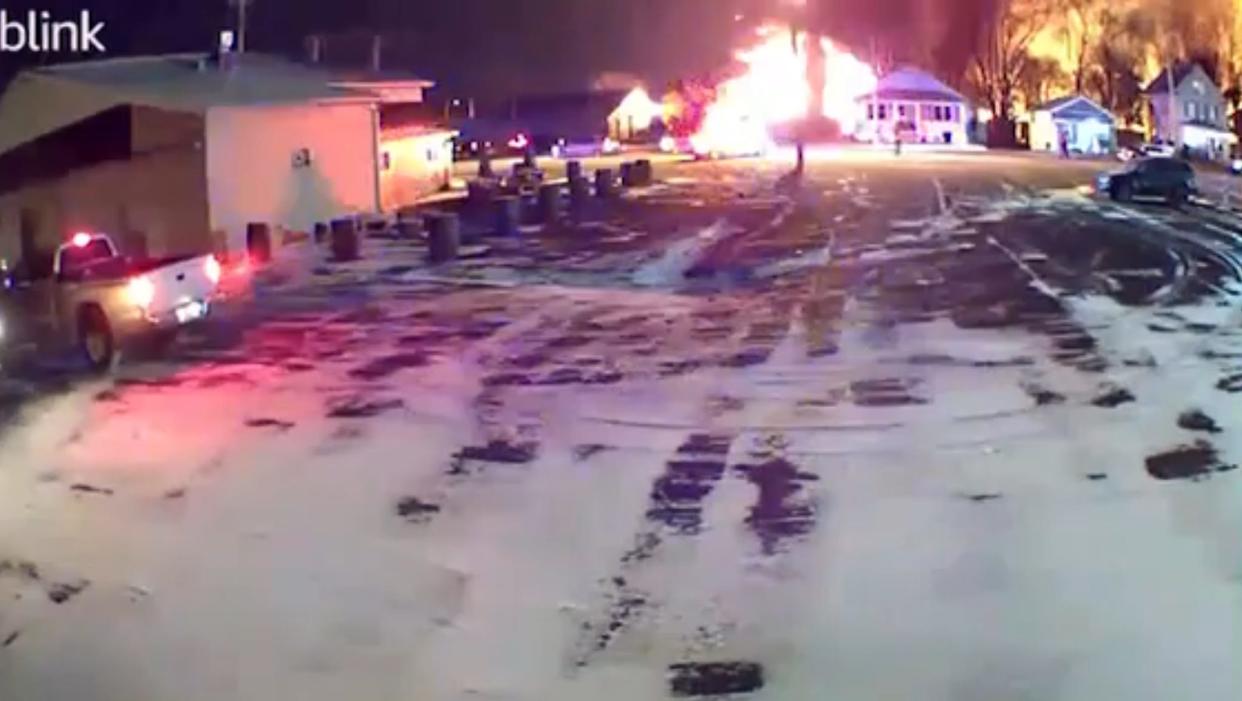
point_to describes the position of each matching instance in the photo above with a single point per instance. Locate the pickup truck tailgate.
(179, 284)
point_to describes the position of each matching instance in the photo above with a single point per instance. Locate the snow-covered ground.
(447, 492)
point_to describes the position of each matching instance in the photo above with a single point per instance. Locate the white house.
(1194, 115)
(1083, 124)
(915, 106)
(179, 153)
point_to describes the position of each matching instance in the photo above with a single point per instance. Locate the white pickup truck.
(97, 301)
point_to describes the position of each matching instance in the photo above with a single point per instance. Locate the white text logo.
(38, 32)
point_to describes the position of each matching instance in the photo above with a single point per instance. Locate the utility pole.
(242, 6)
(798, 12)
(875, 95)
(1174, 132)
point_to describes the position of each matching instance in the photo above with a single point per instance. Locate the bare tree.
(1079, 23)
(1002, 55)
(1118, 58)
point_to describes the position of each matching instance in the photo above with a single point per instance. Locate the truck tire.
(95, 339)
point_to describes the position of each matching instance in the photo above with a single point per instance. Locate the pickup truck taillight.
(141, 291)
(212, 268)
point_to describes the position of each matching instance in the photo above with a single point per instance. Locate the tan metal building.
(177, 154)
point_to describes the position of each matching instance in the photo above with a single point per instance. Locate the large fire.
(773, 89)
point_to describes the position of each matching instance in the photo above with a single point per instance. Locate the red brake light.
(141, 291)
(81, 239)
(212, 269)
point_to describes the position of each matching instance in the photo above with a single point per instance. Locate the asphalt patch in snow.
(747, 358)
(1196, 461)
(701, 679)
(587, 451)
(887, 392)
(781, 510)
(677, 495)
(416, 510)
(269, 423)
(62, 592)
(1042, 395)
(1113, 397)
(626, 607)
(362, 407)
(389, 365)
(983, 498)
(1196, 420)
(498, 451)
(1231, 384)
(91, 489)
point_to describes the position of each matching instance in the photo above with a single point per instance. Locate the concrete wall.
(413, 165)
(155, 200)
(252, 177)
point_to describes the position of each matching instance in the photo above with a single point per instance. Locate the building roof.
(912, 84)
(197, 82)
(1076, 107)
(1181, 71)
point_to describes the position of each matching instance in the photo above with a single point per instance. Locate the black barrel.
(508, 212)
(321, 232)
(409, 229)
(628, 175)
(644, 171)
(549, 203)
(479, 194)
(605, 183)
(573, 170)
(259, 242)
(579, 195)
(345, 238)
(443, 236)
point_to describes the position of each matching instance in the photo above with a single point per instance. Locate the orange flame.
(773, 89)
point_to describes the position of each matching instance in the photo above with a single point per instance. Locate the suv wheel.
(1122, 191)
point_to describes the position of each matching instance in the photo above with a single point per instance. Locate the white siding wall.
(251, 175)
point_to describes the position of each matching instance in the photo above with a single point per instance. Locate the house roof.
(1076, 107)
(196, 82)
(913, 84)
(1160, 84)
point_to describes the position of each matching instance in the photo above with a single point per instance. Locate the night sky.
(508, 46)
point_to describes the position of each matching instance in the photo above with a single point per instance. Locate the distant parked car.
(584, 147)
(1158, 149)
(1171, 179)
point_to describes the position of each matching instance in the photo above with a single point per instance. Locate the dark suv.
(1171, 179)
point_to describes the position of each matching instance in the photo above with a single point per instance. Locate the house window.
(883, 110)
(870, 111)
(903, 110)
(1189, 110)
